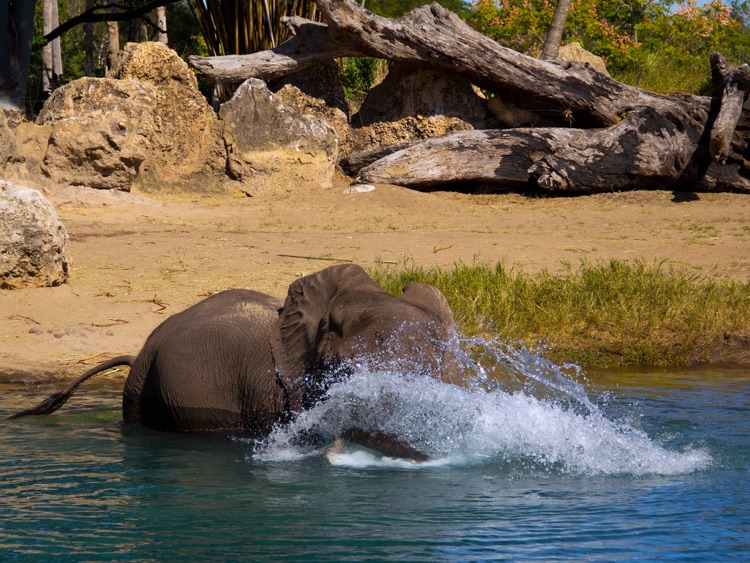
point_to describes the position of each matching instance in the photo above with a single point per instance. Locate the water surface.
(533, 461)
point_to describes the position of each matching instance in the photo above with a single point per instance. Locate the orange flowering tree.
(653, 44)
(602, 26)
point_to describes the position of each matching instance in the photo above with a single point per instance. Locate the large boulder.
(317, 91)
(271, 145)
(28, 152)
(575, 53)
(101, 131)
(33, 242)
(186, 151)
(412, 104)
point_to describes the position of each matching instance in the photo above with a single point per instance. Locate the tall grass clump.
(603, 314)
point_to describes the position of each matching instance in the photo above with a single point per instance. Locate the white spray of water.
(521, 409)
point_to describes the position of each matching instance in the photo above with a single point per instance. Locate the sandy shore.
(138, 260)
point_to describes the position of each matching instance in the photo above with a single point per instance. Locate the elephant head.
(340, 317)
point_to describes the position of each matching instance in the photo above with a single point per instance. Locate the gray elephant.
(244, 361)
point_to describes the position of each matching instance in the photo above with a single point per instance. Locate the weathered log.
(635, 138)
(435, 38)
(734, 86)
(353, 164)
(645, 149)
(310, 46)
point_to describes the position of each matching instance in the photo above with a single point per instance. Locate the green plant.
(358, 74)
(603, 314)
(648, 44)
(246, 26)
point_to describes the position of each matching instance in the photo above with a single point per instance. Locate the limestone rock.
(29, 149)
(186, 150)
(412, 104)
(33, 242)
(575, 53)
(318, 92)
(7, 142)
(269, 144)
(100, 132)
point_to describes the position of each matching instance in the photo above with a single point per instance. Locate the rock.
(7, 142)
(186, 151)
(33, 242)
(27, 159)
(406, 91)
(412, 104)
(269, 144)
(575, 53)
(317, 92)
(101, 131)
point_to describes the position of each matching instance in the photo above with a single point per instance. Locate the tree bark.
(161, 23)
(310, 46)
(51, 55)
(16, 34)
(434, 38)
(611, 136)
(141, 26)
(556, 29)
(113, 37)
(88, 42)
(645, 150)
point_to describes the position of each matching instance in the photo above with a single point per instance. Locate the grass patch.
(598, 315)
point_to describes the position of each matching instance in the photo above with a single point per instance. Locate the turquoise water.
(527, 464)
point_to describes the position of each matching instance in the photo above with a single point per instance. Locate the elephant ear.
(431, 300)
(303, 317)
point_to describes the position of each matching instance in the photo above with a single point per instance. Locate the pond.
(538, 464)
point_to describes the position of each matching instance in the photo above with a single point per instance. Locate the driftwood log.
(609, 136)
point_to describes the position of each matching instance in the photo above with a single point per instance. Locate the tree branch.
(103, 14)
(310, 46)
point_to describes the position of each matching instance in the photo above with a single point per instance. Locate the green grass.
(598, 315)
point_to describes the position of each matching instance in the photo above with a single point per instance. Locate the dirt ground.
(137, 260)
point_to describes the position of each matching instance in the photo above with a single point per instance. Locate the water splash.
(518, 409)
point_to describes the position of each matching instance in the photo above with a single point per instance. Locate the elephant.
(241, 360)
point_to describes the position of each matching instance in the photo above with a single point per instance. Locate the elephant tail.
(54, 402)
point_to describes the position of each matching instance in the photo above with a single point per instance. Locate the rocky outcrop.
(7, 142)
(271, 144)
(185, 151)
(33, 242)
(575, 53)
(100, 132)
(412, 104)
(317, 92)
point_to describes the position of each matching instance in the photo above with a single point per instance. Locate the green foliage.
(397, 8)
(644, 43)
(602, 314)
(603, 26)
(358, 74)
(675, 46)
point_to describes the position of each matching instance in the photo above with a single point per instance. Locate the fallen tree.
(608, 135)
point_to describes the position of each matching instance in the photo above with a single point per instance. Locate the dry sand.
(138, 260)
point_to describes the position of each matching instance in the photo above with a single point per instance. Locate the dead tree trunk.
(113, 38)
(611, 136)
(556, 29)
(161, 23)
